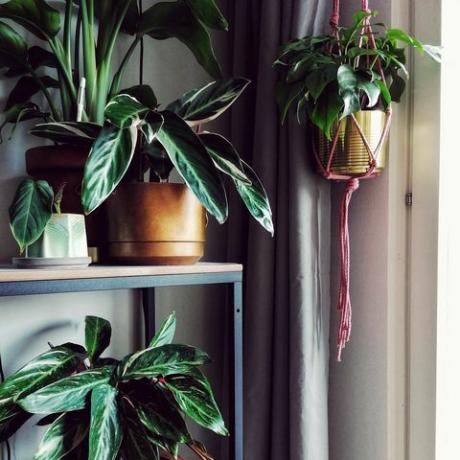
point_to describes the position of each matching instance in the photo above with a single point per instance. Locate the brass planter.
(155, 224)
(351, 157)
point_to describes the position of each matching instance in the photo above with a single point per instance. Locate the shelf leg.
(237, 373)
(148, 306)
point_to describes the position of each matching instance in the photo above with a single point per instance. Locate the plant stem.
(119, 74)
(68, 32)
(77, 50)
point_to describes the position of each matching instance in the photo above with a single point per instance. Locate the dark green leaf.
(286, 94)
(208, 13)
(65, 435)
(194, 395)
(193, 163)
(73, 133)
(97, 336)
(144, 94)
(397, 87)
(316, 82)
(161, 165)
(123, 110)
(161, 417)
(207, 103)
(67, 394)
(106, 432)
(175, 20)
(107, 163)
(255, 198)
(13, 49)
(21, 112)
(12, 417)
(225, 156)
(161, 361)
(26, 88)
(39, 57)
(136, 442)
(166, 333)
(151, 125)
(30, 211)
(37, 16)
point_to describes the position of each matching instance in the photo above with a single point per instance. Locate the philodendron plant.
(99, 408)
(141, 136)
(327, 77)
(31, 210)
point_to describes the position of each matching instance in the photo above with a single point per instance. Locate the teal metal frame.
(148, 284)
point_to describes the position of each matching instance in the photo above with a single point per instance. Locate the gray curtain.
(287, 277)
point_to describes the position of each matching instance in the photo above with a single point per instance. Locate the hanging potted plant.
(344, 84)
(45, 235)
(97, 408)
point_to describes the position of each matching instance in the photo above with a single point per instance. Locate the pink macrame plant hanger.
(352, 181)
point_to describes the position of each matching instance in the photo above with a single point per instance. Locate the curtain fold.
(287, 277)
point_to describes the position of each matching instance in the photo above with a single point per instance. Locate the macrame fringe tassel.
(344, 304)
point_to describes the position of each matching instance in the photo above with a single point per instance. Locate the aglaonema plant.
(99, 408)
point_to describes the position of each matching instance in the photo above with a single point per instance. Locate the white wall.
(28, 323)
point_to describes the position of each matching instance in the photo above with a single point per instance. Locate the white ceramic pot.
(64, 236)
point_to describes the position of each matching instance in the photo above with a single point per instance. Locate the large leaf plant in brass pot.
(99, 408)
(129, 136)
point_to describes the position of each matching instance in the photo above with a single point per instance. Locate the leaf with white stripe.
(74, 133)
(97, 336)
(68, 394)
(166, 333)
(123, 110)
(105, 433)
(202, 105)
(107, 163)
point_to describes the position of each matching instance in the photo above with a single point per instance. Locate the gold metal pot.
(351, 156)
(155, 224)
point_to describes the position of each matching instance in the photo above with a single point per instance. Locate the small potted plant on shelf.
(355, 71)
(48, 237)
(102, 408)
(159, 223)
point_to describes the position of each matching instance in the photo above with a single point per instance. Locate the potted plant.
(124, 139)
(46, 235)
(102, 408)
(354, 72)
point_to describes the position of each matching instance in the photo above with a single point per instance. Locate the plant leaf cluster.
(100, 408)
(328, 77)
(168, 141)
(71, 49)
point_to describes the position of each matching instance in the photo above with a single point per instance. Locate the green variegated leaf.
(166, 333)
(74, 133)
(64, 435)
(193, 163)
(161, 418)
(107, 163)
(136, 443)
(435, 52)
(26, 87)
(67, 394)
(208, 13)
(255, 198)
(97, 336)
(207, 103)
(123, 110)
(30, 211)
(176, 20)
(144, 94)
(37, 16)
(151, 125)
(224, 156)
(48, 367)
(194, 395)
(106, 432)
(161, 361)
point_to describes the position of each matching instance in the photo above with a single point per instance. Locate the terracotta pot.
(351, 157)
(155, 224)
(63, 163)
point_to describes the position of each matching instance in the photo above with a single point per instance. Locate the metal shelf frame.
(147, 283)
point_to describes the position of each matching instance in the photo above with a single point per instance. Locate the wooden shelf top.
(10, 274)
